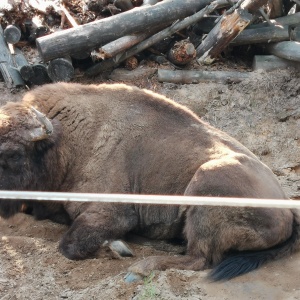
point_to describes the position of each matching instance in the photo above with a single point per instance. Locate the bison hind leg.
(144, 267)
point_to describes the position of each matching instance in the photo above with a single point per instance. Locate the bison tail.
(244, 262)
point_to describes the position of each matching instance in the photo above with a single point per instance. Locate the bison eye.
(14, 156)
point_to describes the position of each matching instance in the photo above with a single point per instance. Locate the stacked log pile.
(101, 35)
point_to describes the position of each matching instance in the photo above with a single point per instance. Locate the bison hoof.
(133, 277)
(119, 249)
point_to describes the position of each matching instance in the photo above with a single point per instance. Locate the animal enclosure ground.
(263, 113)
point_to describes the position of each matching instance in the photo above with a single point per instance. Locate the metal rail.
(149, 199)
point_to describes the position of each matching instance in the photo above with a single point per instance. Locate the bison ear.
(43, 132)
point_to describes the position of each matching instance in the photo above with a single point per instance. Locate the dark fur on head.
(24, 164)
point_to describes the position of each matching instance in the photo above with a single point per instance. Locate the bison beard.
(121, 139)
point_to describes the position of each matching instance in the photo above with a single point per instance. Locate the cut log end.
(26, 72)
(61, 69)
(40, 75)
(12, 34)
(182, 53)
(131, 63)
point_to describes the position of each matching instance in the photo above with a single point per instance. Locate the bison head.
(25, 134)
(25, 137)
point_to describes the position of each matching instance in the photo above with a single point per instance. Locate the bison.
(114, 138)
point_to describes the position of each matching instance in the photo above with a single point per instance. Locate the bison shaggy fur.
(114, 138)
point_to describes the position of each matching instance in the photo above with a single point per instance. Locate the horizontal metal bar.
(149, 199)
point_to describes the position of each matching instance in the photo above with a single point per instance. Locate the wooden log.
(113, 48)
(12, 34)
(124, 5)
(137, 2)
(10, 74)
(100, 32)
(222, 34)
(262, 35)
(253, 5)
(125, 75)
(227, 29)
(163, 45)
(208, 23)
(288, 50)
(110, 63)
(271, 62)
(158, 58)
(40, 75)
(61, 69)
(72, 23)
(188, 76)
(182, 53)
(81, 55)
(22, 65)
(150, 2)
(286, 20)
(276, 8)
(26, 72)
(295, 34)
(96, 5)
(205, 25)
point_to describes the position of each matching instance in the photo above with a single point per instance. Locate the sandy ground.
(264, 114)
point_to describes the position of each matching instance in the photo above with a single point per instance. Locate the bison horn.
(45, 131)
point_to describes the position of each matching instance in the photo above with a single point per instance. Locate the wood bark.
(286, 20)
(276, 8)
(121, 74)
(113, 48)
(271, 62)
(288, 50)
(100, 32)
(262, 35)
(222, 34)
(150, 2)
(188, 76)
(73, 23)
(226, 30)
(295, 34)
(208, 23)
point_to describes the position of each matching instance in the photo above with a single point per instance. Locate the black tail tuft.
(239, 264)
(243, 262)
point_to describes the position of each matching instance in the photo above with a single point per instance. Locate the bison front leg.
(96, 225)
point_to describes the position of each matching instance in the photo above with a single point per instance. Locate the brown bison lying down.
(121, 139)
